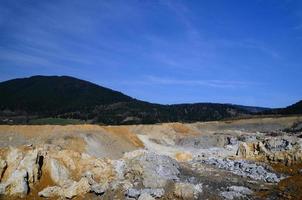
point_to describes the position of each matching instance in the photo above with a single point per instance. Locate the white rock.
(145, 196)
(49, 192)
(231, 195)
(97, 188)
(58, 173)
(76, 188)
(135, 193)
(240, 189)
(14, 155)
(236, 192)
(119, 167)
(155, 169)
(31, 165)
(187, 191)
(17, 184)
(2, 188)
(69, 190)
(13, 159)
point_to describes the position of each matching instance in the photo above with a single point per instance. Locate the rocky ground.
(242, 159)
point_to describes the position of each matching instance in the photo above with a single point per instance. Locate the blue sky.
(167, 51)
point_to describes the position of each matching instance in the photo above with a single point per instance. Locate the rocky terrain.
(242, 159)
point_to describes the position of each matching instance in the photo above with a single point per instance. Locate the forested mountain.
(68, 97)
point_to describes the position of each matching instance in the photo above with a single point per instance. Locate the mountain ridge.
(68, 97)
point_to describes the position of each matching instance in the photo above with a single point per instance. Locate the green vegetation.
(54, 121)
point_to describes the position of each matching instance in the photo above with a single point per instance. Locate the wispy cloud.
(249, 44)
(207, 83)
(156, 80)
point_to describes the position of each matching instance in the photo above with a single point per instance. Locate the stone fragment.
(232, 140)
(2, 188)
(135, 193)
(236, 192)
(50, 192)
(95, 187)
(187, 191)
(69, 190)
(76, 188)
(145, 196)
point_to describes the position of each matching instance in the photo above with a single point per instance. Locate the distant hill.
(22, 100)
(293, 109)
(252, 109)
(52, 95)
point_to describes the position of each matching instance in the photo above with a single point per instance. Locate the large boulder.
(32, 163)
(97, 188)
(252, 150)
(278, 144)
(245, 150)
(152, 169)
(58, 172)
(50, 192)
(21, 168)
(17, 184)
(69, 190)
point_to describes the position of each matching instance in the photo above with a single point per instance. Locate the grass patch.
(55, 121)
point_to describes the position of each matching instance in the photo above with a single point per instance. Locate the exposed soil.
(182, 142)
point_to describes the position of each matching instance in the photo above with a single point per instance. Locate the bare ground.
(180, 141)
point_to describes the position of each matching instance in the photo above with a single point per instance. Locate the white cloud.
(156, 80)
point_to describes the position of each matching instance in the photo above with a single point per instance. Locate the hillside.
(51, 95)
(252, 109)
(22, 100)
(293, 109)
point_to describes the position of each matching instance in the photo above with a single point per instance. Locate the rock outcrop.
(21, 169)
(17, 184)
(281, 149)
(74, 174)
(32, 163)
(58, 172)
